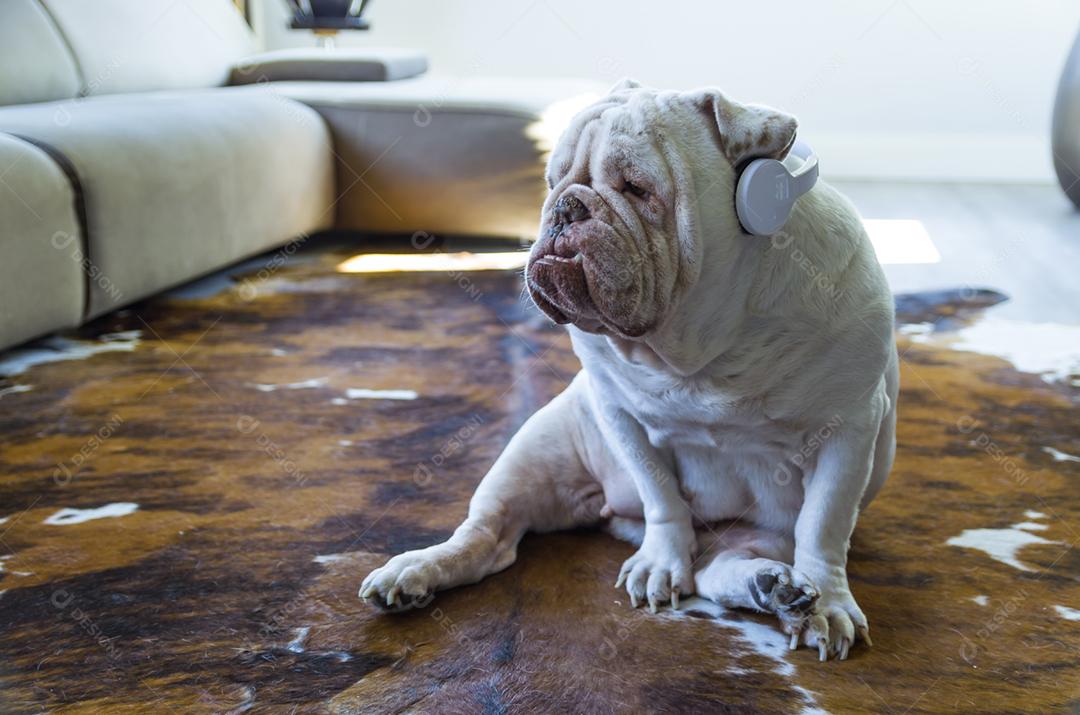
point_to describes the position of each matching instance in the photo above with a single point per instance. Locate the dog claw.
(845, 646)
(864, 633)
(621, 580)
(675, 599)
(633, 601)
(652, 604)
(822, 654)
(794, 642)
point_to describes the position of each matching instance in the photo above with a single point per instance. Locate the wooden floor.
(192, 490)
(1020, 239)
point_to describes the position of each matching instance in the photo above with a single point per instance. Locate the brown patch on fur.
(764, 133)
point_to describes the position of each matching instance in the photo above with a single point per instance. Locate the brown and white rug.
(191, 491)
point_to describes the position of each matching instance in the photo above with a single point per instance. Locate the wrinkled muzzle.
(582, 271)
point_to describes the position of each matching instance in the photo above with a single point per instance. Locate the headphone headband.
(767, 190)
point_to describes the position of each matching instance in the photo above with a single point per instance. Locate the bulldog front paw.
(407, 581)
(660, 571)
(835, 624)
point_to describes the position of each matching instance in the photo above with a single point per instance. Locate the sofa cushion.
(41, 274)
(457, 156)
(138, 45)
(330, 65)
(35, 62)
(179, 183)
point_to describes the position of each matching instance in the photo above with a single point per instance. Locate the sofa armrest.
(329, 65)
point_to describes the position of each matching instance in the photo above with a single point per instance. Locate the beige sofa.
(143, 143)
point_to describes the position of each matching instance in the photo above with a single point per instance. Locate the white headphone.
(768, 189)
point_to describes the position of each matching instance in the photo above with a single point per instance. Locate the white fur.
(747, 426)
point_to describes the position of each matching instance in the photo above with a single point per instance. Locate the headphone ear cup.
(763, 197)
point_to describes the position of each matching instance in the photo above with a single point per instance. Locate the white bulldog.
(736, 405)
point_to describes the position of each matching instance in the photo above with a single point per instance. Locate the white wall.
(883, 88)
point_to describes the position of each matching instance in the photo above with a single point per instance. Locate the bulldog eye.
(630, 187)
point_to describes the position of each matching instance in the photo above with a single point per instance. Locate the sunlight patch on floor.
(462, 261)
(901, 241)
(896, 241)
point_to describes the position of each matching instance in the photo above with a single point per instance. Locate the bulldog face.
(620, 239)
(607, 254)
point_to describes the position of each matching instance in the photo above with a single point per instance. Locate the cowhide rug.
(191, 491)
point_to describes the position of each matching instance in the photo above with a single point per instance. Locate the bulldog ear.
(624, 84)
(749, 131)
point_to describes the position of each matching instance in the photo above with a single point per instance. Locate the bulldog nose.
(567, 209)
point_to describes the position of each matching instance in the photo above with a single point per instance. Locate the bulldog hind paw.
(782, 590)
